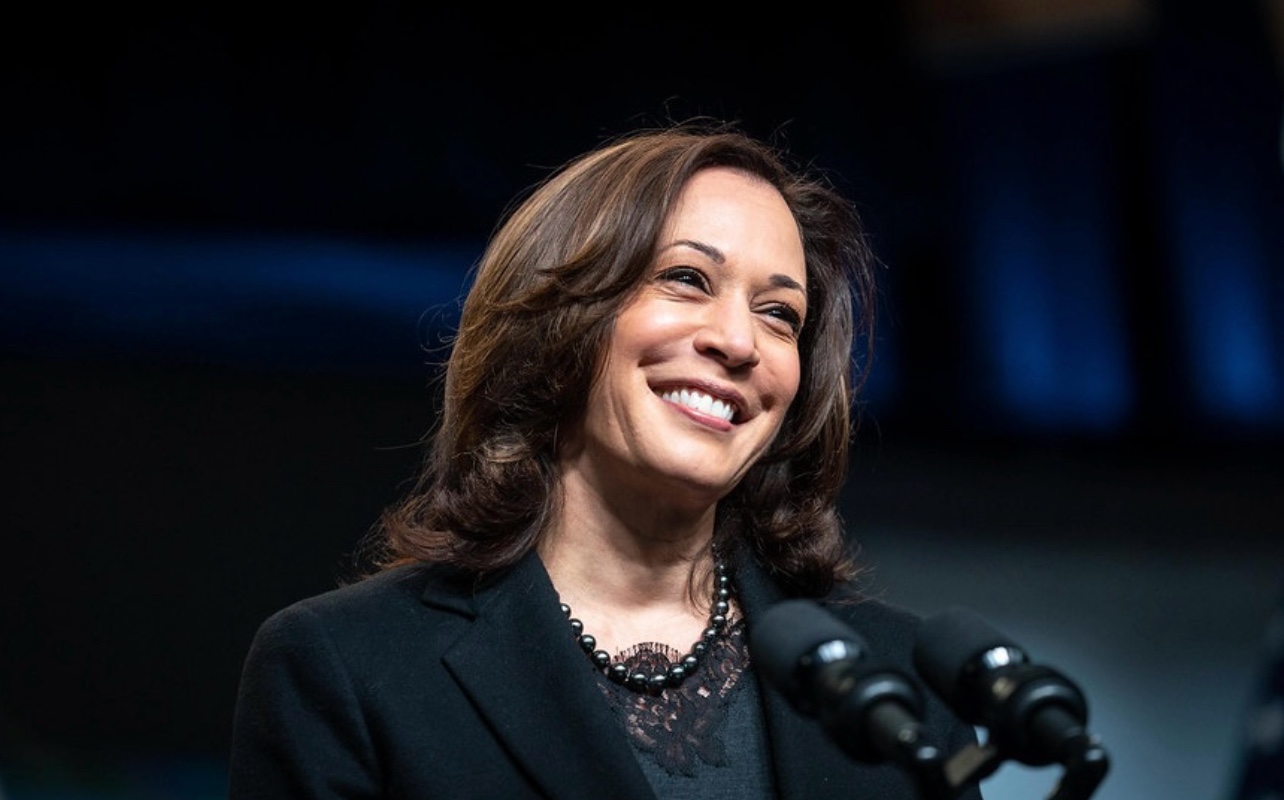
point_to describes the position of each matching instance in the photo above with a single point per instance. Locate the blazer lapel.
(804, 759)
(528, 678)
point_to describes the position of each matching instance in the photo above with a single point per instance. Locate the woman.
(644, 430)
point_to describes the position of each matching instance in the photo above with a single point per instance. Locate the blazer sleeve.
(298, 730)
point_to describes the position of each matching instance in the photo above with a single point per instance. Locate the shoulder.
(391, 588)
(889, 629)
(872, 610)
(382, 607)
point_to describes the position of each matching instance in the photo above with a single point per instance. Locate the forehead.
(712, 186)
(740, 215)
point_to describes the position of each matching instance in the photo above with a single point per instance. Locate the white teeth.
(699, 401)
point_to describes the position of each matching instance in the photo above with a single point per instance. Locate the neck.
(639, 552)
(620, 567)
(630, 580)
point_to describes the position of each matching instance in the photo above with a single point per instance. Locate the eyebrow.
(718, 257)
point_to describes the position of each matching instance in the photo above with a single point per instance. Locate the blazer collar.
(805, 762)
(524, 671)
(521, 667)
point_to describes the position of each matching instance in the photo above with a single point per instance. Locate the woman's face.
(703, 361)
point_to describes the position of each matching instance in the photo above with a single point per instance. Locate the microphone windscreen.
(947, 642)
(788, 631)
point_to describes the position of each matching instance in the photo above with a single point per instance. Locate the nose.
(729, 334)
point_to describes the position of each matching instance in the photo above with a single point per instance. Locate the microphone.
(1035, 714)
(823, 669)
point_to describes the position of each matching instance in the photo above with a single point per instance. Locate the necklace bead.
(672, 677)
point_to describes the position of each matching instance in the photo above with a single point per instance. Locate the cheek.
(641, 328)
(787, 377)
(795, 375)
(789, 381)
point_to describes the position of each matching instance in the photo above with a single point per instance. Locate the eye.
(786, 314)
(686, 275)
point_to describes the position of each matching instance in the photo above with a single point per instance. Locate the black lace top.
(701, 739)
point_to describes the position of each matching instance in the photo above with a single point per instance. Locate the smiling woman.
(645, 419)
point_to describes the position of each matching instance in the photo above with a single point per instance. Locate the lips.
(701, 401)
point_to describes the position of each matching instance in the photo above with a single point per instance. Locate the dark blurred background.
(233, 239)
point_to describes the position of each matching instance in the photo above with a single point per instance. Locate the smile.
(699, 401)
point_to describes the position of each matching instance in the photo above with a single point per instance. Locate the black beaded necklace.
(655, 682)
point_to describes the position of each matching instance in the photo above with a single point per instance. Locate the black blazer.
(416, 684)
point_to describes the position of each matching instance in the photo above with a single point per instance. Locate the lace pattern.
(680, 727)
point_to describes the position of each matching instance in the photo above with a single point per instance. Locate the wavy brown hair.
(532, 335)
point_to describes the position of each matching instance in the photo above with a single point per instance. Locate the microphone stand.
(1084, 766)
(914, 752)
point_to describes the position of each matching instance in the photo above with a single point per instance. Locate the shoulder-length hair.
(532, 334)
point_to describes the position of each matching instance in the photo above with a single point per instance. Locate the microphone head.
(823, 668)
(787, 635)
(1033, 712)
(948, 646)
